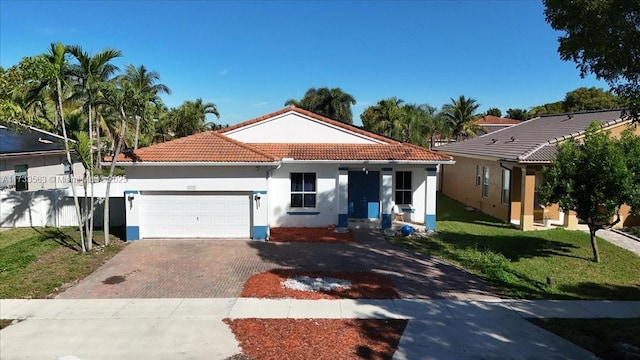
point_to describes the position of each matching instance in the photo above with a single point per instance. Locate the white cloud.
(261, 104)
(224, 72)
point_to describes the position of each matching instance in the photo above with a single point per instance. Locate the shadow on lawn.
(512, 247)
(58, 236)
(605, 291)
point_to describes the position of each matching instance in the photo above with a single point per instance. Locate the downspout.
(268, 178)
(508, 205)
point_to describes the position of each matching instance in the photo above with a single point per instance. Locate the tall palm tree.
(191, 117)
(461, 116)
(146, 91)
(90, 73)
(53, 81)
(333, 103)
(118, 96)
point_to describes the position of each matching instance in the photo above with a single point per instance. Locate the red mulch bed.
(364, 285)
(303, 339)
(309, 234)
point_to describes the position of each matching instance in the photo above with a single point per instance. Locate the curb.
(626, 234)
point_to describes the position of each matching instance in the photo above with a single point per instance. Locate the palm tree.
(146, 91)
(461, 116)
(332, 103)
(55, 75)
(90, 73)
(190, 118)
(384, 117)
(119, 97)
(417, 124)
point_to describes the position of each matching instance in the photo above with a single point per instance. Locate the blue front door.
(364, 194)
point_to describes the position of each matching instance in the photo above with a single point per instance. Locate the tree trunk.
(135, 144)
(123, 124)
(89, 219)
(68, 152)
(594, 245)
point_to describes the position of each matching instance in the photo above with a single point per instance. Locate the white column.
(260, 215)
(133, 207)
(343, 197)
(430, 198)
(387, 197)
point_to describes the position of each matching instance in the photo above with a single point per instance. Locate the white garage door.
(182, 215)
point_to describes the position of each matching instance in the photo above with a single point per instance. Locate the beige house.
(499, 173)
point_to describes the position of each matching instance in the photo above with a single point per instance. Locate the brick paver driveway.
(219, 268)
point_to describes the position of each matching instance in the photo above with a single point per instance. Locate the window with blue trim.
(303, 190)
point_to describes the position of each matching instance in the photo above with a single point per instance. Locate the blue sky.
(249, 57)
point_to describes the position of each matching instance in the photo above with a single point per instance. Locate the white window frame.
(485, 182)
(401, 188)
(506, 186)
(303, 192)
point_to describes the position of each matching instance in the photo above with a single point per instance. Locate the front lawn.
(37, 262)
(519, 263)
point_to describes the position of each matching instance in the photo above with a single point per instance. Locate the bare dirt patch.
(364, 285)
(302, 339)
(310, 234)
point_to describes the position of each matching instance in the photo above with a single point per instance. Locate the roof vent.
(493, 141)
(45, 141)
(513, 138)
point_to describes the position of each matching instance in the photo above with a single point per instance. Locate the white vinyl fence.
(52, 208)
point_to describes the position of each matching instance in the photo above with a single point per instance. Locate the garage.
(195, 215)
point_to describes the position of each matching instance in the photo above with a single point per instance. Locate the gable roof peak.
(313, 116)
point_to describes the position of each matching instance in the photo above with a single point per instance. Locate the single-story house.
(289, 168)
(499, 173)
(33, 159)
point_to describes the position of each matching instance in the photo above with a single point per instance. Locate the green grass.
(518, 263)
(607, 338)
(36, 262)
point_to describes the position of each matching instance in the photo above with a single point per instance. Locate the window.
(403, 188)
(67, 167)
(478, 176)
(20, 173)
(506, 186)
(485, 181)
(303, 190)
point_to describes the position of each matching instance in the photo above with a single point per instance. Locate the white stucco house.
(33, 159)
(290, 168)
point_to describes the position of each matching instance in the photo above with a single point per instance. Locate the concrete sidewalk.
(617, 238)
(193, 328)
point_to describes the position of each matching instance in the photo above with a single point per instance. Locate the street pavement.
(71, 329)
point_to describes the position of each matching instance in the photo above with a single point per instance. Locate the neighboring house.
(34, 185)
(499, 173)
(289, 168)
(33, 159)
(491, 123)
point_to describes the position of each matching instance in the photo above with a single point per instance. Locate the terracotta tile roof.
(494, 120)
(312, 115)
(202, 147)
(532, 140)
(346, 152)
